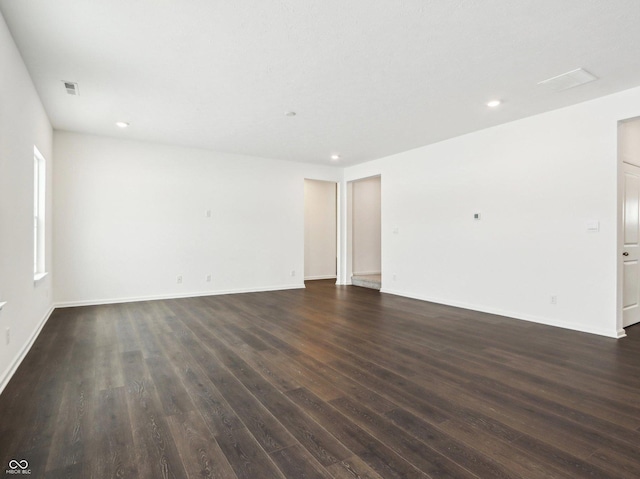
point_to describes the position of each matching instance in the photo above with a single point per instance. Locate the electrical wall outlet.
(293, 272)
(208, 278)
(179, 279)
(7, 336)
(554, 299)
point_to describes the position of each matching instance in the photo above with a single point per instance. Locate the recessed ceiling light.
(493, 103)
(335, 157)
(122, 124)
(290, 113)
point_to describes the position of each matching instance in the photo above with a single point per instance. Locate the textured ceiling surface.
(367, 78)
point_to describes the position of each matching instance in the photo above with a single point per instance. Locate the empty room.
(303, 239)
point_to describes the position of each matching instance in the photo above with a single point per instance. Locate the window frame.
(39, 214)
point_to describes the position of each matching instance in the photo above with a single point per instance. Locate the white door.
(631, 249)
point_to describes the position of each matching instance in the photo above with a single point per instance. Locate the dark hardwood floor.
(325, 382)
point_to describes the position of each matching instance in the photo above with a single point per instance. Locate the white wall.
(536, 183)
(23, 125)
(131, 217)
(366, 224)
(320, 223)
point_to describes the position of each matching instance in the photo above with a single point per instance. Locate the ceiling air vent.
(568, 80)
(71, 87)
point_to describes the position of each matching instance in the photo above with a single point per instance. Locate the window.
(39, 182)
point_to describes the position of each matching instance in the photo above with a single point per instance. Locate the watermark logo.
(18, 467)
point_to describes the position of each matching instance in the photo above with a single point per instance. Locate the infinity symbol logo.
(13, 464)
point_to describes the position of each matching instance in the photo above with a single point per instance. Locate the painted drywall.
(366, 237)
(536, 183)
(23, 125)
(320, 224)
(132, 216)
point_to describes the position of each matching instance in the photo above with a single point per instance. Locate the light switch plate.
(593, 226)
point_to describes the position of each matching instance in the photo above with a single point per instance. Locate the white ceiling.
(367, 78)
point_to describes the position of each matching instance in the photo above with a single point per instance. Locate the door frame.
(337, 218)
(620, 230)
(345, 226)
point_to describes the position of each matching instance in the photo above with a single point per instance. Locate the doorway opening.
(320, 230)
(364, 231)
(629, 160)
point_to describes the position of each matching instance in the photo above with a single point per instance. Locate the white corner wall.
(320, 224)
(536, 182)
(23, 125)
(132, 216)
(366, 224)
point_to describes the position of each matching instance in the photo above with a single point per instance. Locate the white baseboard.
(13, 367)
(510, 314)
(325, 276)
(365, 273)
(133, 299)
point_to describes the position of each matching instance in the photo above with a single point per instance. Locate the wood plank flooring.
(327, 382)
